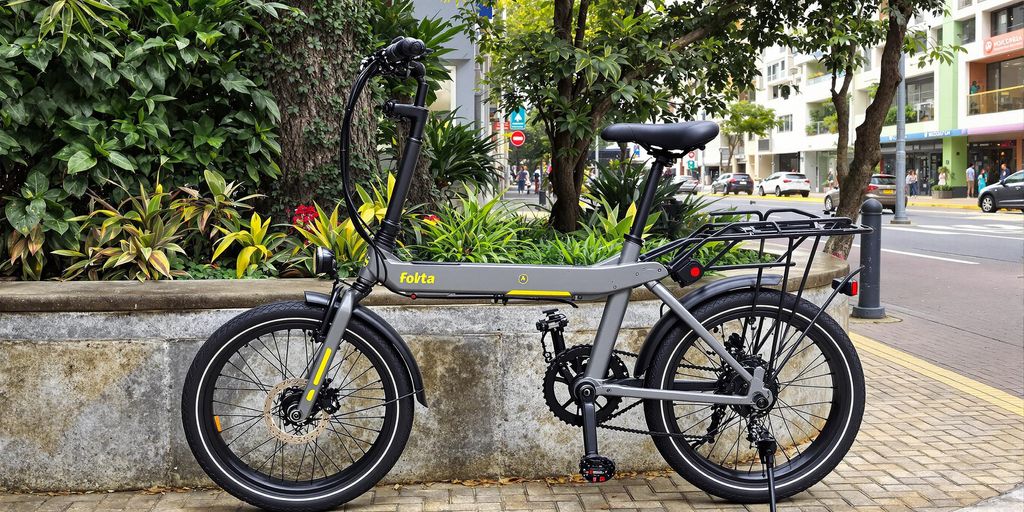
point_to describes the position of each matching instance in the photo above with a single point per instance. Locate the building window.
(967, 31)
(867, 54)
(921, 98)
(938, 36)
(787, 123)
(1008, 19)
(445, 98)
(776, 92)
(774, 71)
(1008, 73)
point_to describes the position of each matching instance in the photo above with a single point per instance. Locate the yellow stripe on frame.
(538, 293)
(323, 365)
(309, 396)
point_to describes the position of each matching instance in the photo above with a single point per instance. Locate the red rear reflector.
(694, 271)
(853, 288)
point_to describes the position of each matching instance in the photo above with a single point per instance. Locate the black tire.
(234, 345)
(778, 192)
(816, 455)
(760, 191)
(988, 204)
(750, 192)
(829, 207)
(805, 194)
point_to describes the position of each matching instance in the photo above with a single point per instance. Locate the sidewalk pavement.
(930, 441)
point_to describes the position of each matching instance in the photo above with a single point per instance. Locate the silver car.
(690, 184)
(881, 187)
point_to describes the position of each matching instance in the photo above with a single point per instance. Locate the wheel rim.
(778, 191)
(986, 203)
(728, 459)
(828, 203)
(234, 401)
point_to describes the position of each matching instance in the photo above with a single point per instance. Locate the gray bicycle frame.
(614, 278)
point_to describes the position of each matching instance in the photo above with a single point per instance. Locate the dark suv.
(734, 182)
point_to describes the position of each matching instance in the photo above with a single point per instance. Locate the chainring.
(563, 371)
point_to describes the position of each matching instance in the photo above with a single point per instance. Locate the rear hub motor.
(733, 383)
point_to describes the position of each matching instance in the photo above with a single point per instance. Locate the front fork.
(346, 298)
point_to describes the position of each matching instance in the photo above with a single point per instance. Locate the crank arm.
(315, 377)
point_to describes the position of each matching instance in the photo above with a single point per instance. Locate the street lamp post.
(901, 147)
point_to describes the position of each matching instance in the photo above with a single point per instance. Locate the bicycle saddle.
(671, 136)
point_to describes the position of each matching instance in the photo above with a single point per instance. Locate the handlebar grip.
(404, 48)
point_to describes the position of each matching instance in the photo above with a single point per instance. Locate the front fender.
(385, 331)
(690, 302)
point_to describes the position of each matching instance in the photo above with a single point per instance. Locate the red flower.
(431, 219)
(304, 215)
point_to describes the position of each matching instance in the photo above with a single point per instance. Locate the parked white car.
(785, 183)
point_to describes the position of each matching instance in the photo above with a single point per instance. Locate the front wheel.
(778, 192)
(818, 395)
(760, 191)
(988, 203)
(254, 369)
(828, 204)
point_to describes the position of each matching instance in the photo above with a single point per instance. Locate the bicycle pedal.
(596, 469)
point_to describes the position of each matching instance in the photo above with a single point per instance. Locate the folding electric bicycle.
(749, 391)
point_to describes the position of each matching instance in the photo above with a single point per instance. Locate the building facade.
(970, 110)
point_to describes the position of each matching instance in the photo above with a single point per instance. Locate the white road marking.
(928, 256)
(935, 230)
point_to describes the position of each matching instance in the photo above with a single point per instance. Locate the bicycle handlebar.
(404, 49)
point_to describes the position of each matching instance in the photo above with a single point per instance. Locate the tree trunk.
(867, 149)
(311, 81)
(841, 100)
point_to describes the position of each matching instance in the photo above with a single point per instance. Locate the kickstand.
(766, 447)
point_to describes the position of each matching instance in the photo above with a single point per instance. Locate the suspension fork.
(339, 319)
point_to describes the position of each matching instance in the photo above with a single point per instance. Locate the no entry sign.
(518, 138)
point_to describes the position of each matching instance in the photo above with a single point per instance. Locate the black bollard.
(543, 197)
(868, 305)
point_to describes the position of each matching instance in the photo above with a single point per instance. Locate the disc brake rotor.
(285, 431)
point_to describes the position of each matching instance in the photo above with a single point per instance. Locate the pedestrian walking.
(969, 173)
(521, 179)
(983, 178)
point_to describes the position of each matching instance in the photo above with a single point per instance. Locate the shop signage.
(927, 135)
(1003, 43)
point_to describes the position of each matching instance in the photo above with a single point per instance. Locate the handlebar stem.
(417, 116)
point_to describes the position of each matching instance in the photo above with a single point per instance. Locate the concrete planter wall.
(91, 375)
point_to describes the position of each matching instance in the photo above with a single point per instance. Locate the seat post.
(647, 200)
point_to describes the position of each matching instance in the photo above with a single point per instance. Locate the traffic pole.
(868, 298)
(901, 148)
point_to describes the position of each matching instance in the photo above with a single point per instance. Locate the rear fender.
(691, 301)
(385, 331)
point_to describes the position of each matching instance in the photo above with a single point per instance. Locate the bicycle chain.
(687, 437)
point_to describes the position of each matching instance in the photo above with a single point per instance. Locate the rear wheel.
(253, 369)
(828, 204)
(805, 194)
(760, 191)
(818, 388)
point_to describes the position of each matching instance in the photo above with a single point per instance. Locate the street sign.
(518, 138)
(497, 126)
(691, 164)
(518, 119)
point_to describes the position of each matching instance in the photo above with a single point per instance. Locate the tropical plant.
(204, 212)
(135, 240)
(617, 187)
(332, 232)
(258, 247)
(148, 87)
(473, 232)
(458, 154)
(41, 222)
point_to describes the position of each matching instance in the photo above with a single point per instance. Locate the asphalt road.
(955, 280)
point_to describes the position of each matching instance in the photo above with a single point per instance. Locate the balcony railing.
(963, 4)
(827, 77)
(999, 100)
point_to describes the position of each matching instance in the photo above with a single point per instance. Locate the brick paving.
(923, 446)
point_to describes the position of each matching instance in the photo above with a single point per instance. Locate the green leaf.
(37, 183)
(265, 102)
(80, 161)
(120, 160)
(236, 82)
